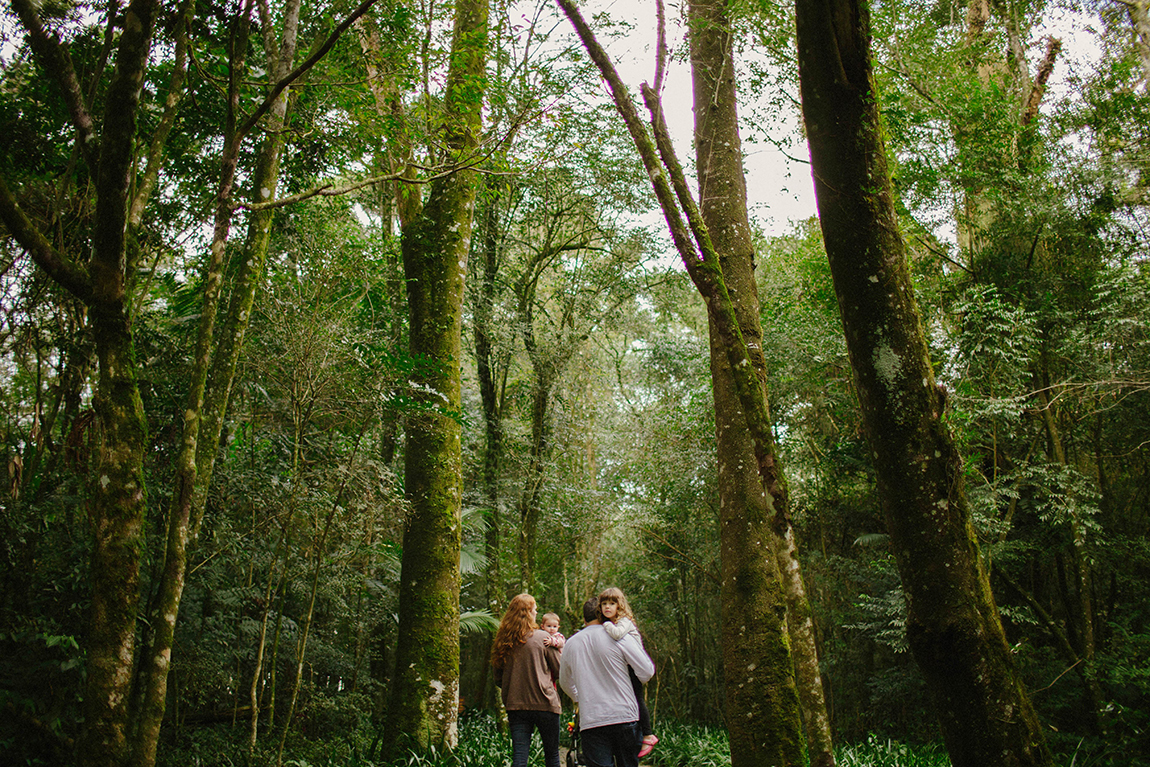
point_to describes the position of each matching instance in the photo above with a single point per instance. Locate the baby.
(550, 624)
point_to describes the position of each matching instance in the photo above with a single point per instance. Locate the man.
(593, 671)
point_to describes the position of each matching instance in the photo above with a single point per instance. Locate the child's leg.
(641, 699)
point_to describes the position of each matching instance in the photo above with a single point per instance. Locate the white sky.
(779, 186)
(779, 189)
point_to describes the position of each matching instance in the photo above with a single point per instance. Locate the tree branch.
(698, 254)
(660, 45)
(1038, 90)
(299, 71)
(53, 56)
(171, 108)
(73, 277)
(330, 190)
(683, 556)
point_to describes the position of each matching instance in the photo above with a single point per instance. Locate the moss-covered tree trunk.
(753, 514)
(425, 689)
(530, 500)
(952, 625)
(117, 498)
(490, 370)
(769, 730)
(206, 405)
(804, 647)
(157, 654)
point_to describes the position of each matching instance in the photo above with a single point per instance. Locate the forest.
(328, 328)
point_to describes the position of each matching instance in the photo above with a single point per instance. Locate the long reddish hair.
(516, 626)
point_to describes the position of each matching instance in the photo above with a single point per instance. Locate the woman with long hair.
(526, 663)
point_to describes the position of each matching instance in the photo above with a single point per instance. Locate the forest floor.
(565, 750)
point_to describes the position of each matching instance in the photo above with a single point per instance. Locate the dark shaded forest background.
(586, 409)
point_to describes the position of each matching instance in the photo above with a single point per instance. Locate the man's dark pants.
(613, 745)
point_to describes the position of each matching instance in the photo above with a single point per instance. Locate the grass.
(483, 744)
(877, 752)
(687, 745)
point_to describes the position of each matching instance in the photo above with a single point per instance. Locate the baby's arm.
(556, 640)
(619, 628)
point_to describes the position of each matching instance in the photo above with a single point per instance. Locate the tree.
(424, 696)
(118, 493)
(754, 607)
(953, 626)
(112, 281)
(723, 200)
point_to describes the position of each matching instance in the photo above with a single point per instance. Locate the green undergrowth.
(879, 752)
(483, 744)
(687, 745)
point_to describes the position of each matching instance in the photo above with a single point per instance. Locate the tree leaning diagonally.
(953, 626)
(216, 354)
(424, 696)
(764, 718)
(723, 204)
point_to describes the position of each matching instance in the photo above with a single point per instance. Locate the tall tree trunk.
(488, 367)
(529, 500)
(150, 713)
(270, 591)
(953, 626)
(425, 689)
(118, 500)
(249, 276)
(205, 408)
(769, 548)
(804, 649)
(755, 643)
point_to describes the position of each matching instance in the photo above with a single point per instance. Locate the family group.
(602, 667)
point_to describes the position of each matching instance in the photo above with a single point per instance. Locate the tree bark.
(953, 626)
(229, 346)
(767, 669)
(529, 506)
(768, 548)
(487, 372)
(117, 501)
(150, 714)
(425, 689)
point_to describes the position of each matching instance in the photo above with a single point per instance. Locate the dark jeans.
(614, 745)
(522, 723)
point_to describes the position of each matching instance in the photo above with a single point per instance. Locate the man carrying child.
(593, 671)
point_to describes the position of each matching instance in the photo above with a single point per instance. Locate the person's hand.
(555, 640)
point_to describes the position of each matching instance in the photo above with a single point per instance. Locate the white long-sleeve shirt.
(593, 671)
(621, 628)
